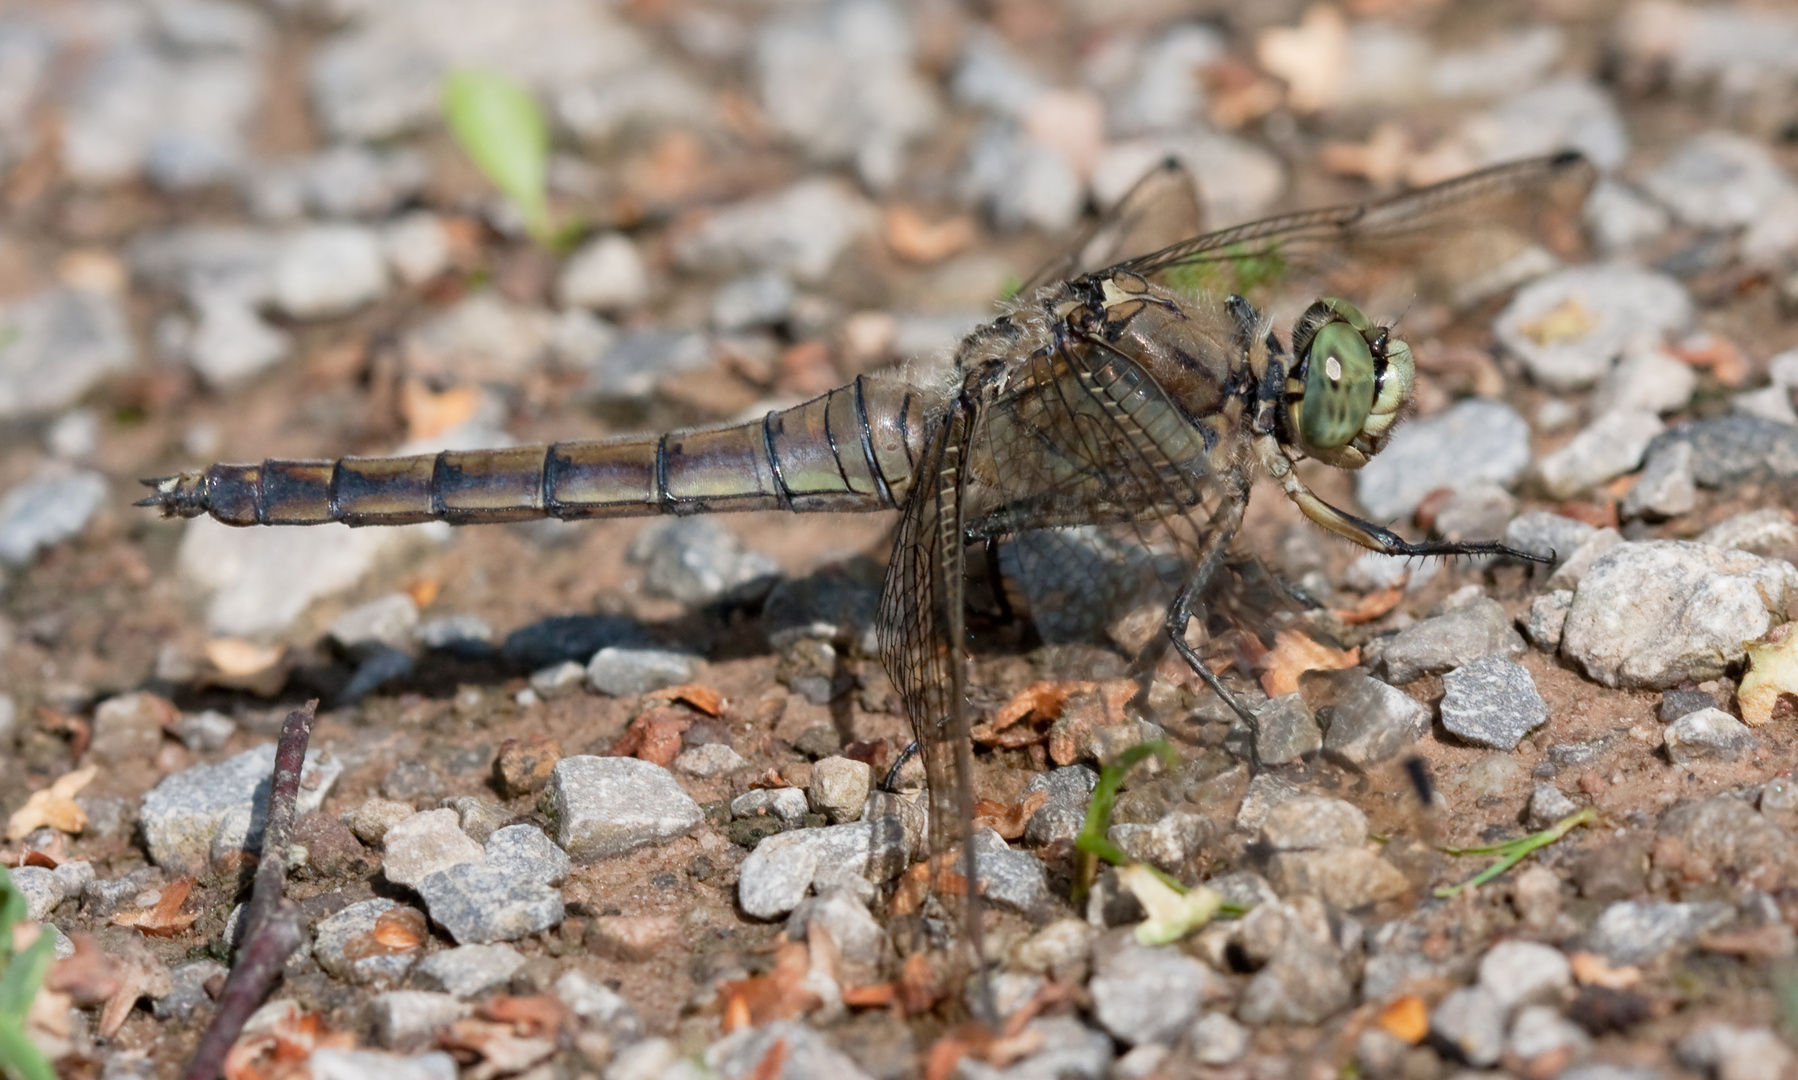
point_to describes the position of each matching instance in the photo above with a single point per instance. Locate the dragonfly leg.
(890, 782)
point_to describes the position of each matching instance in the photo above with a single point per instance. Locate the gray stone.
(466, 637)
(1007, 878)
(43, 513)
(1610, 446)
(484, 337)
(523, 852)
(1349, 877)
(1023, 182)
(188, 989)
(412, 780)
(861, 941)
(1450, 640)
(598, 1006)
(74, 436)
(799, 231)
(558, 680)
(787, 804)
(1733, 1053)
(696, 560)
(839, 787)
(41, 888)
(1708, 735)
(74, 875)
(1605, 307)
(1524, 973)
(1647, 379)
(610, 805)
(329, 270)
(1734, 449)
(1060, 818)
(1371, 721)
(127, 729)
(1313, 821)
(778, 873)
(1548, 805)
(1779, 796)
(606, 274)
(1559, 112)
(1491, 702)
(480, 817)
(1548, 535)
(468, 970)
(1066, 1049)
(371, 820)
(231, 344)
(389, 620)
(1677, 702)
(1302, 984)
(59, 344)
(1215, 1039)
(479, 904)
(630, 368)
(1719, 180)
(1168, 843)
(1266, 791)
(1656, 613)
(183, 815)
(406, 1021)
(1767, 532)
(417, 247)
(205, 732)
(624, 672)
(1547, 618)
(1151, 995)
(1620, 219)
(1772, 403)
(711, 759)
(735, 1056)
(1478, 511)
(1635, 932)
(761, 299)
(1471, 1020)
(327, 1063)
(1473, 440)
(1285, 731)
(335, 945)
(1541, 1029)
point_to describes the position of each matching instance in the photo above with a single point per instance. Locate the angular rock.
(1370, 721)
(346, 946)
(479, 904)
(777, 874)
(1547, 618)
(1719, 180)
(787, 804)
(1007, 878)
(422, 844)
(1656, 613)
(1471, 1021)
(407, 1021)
(1471, 441)
(1216, 1039)
(1492, 702)
(624, 672)
(1667, 486)
(1724, 835)
(1734, 449)
(1069, 789)
(1541, 1029)
(800, 231)
(523, 852)
(610, 805)
(1708, 735)
(1733, 1053)
(1768, 532)
(329, 270)
(127, 730)
(1151, 995)
(1548, 535)
(1313, 821)
(1647, 379)
(41, 888)
(43, 513)
(467, 970)
(1302, 984)
(1572, 569)
(182, 816)
(1548, 805)
(1347, 876)
(1524, 973)
(188, 989)
(1450, 640)
(606, 274)
(711, 759)
(1635, 932)
(839, 787)
(1612, 445)
(1285, 731)
(597, 1005)
(389, 620)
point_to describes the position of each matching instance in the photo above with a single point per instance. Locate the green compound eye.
(1339, 387)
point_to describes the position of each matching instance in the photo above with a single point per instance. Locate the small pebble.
(607, 806)
(622, 672)
(422, 844)
(467, 970)
(839, 788)
(1492, 702)
(523, 852)
(478, 904)
(1708, 735)
(1524, 973)
(711, 759)
(345, 946)
(1472, 1021)
(1148, 995)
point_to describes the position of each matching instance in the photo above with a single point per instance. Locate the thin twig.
(272, 928)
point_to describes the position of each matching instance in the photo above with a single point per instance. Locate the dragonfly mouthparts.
(180, 496)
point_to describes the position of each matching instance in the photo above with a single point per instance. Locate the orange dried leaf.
(430, 413)
(781, 994)
(1372, 606)
(1294, 654)
(1406, 1018)
(1590, 969)
(1007, 819)
(166, 918)
(1040, 700)
(966, 1040)
(396, 930)
(914, 239)
(424, 590)
(280, 1050)
(529, 1014)
(703, 698)
(54, 806)
(653, 737)
(241, 659)
(772, 1064)
(1718, 355)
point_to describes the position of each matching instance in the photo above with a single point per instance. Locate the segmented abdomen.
(851, 449)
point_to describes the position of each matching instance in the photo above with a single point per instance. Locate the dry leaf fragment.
(653, 737)
(1007, 819)
(1590, 969)
(239, 659)
(1312, 57)
(89, 977)
(54, 806)
(772, 1064)
(1719, 355)
(165, 918)
(1041, 703)
(703, 698)
(781, 994)
(1294, 654)
(279, 1050)
(914, 239)
(1372, 606)
(396, 930)
(428, 413)
(494, 1049)
(1405, 1018)
(1772, 673)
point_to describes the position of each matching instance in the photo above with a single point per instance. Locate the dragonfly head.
(1349, 383)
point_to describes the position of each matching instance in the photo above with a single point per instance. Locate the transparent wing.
(1459, 240)
(1161, 209)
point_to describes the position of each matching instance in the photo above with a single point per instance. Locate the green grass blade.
(19, 1057)
(1512, 852)
(500, 125)
(1092, 842)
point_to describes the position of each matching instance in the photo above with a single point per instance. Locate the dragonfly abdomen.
(848, 450)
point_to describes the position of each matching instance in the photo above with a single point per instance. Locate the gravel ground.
(599, 799)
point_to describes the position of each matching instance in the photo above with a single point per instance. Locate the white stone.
(329, 270)
(606, 274)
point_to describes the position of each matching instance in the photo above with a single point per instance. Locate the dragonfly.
(1136, 403)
